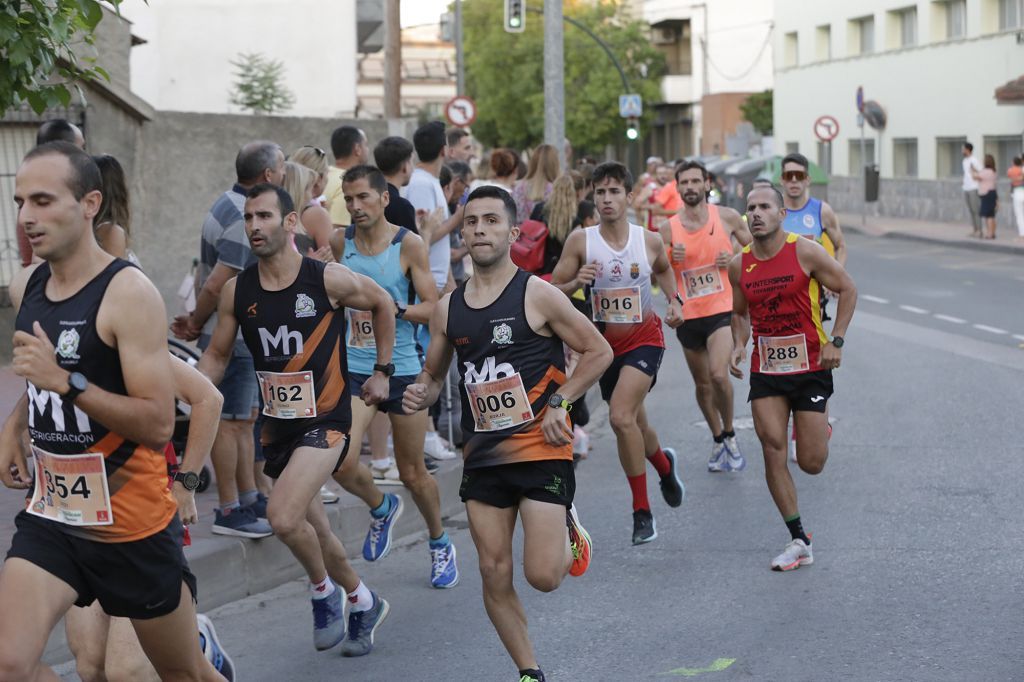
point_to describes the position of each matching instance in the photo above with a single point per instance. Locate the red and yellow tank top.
(785, 313)
(704, 286)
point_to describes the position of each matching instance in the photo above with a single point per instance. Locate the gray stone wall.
(927, 200)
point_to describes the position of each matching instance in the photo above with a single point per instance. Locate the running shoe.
(716, 462)
(672, 488)
(212, 649)
(259, 507)
(240, 522)
(644, 528)
(386, 476)
(531, 676)
(328, 496)
(795, 555)
(434, 447)
(362, 625)
(734, 460)
(579, 543)
(431, 465)
(378, 538)
(444, 571)
(328, 620)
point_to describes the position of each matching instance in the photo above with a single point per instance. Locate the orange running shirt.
(705, 288)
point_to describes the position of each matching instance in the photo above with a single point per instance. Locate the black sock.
(535, 672)
(720, 437)
(796, 529)
(728, 434)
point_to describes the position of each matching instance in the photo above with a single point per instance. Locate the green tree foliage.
(259, 85)
(505, 74)
(757, 110)
(37, 37)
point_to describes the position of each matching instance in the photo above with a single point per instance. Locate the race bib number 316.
(703, 281)
(782, 354)
(289, 395)
(71, 489)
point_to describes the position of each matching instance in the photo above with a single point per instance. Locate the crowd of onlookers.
(979, 185)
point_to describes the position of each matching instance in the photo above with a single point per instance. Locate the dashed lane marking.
(992, 330)
(950, 318)
(874, 299)
(914, 309)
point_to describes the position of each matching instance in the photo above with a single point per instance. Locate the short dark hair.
(391, 152)
(1017, 161)
(968, 146)
(455, 135)
(344, 140)
(55, 130)
(459, 169)
(495, 192)
(797, 158)
(585, 210)
(503, 162)
(775, 191)
(690, 165)
(615, 171)
(85, 174)
(284, 200)
(255, 158)
(429, 139)
(445, 176)
(371, 174)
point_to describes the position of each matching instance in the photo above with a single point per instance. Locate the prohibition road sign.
(826, 128)
(460, 111)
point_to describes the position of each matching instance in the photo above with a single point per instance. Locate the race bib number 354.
(782, 354)
(71, 489)
(617, 306)
(499, 404)
(289, 395)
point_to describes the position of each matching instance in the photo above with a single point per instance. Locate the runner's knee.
(621, 419)
(496, 573)
(129, 669)
(15, 665)
(283, 521)
(543, 580)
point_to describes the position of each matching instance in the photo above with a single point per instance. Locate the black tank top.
(293, 330)
(136, 475)
(494, 343)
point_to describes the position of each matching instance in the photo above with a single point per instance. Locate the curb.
(969, 245)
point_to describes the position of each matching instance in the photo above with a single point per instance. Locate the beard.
(692, 199)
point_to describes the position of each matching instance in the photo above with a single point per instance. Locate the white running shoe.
(717, 460)
(734, 460)
(795, 555)
(328, 496)
(435, 448)
(386, 476)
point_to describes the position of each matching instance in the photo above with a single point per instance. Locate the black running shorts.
(807, 392)
(140, 579)
(320, 437)
(504, 485)
(647, 359)
(694, 334)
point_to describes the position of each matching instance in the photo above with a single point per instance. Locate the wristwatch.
(680, 299)
(387, 370)
(189, 479)
(837, 341)
(400, 312)
(77, 383)
(557, 400)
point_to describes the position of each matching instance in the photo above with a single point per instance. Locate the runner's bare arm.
(337, 241)
(357, 291)
(666, 278)
(814, 259)
(205, 400)
(740, 319)
(14, 471)
(424, 393)
(830, 223)
(414, 257)
(217, 355)
(570, 273)
(207, 301)
(736, 225)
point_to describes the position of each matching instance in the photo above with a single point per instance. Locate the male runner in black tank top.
(291, 313)
(507, 329)
(110, 534)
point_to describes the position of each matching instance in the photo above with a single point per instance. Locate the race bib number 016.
(702, 281)
(617, 306)
(782, 354)
(71, 489)
(499, 404)
(360, 329)
(288, 395)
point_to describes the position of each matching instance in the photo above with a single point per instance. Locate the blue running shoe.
(259, 507)
(241, 522)
(734, 460)
(362, 625)
(378, 538)
(212, 649)
(444, 572)
(328, 620)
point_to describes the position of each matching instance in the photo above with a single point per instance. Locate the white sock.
(361, 599)
(383, 464)
(322, 590)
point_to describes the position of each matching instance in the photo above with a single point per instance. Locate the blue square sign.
(631, 106)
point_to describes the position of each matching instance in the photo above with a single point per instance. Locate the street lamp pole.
(460, 67)
(554, 79)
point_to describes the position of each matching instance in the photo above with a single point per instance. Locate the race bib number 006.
(702, 281)
(617, 306)
(288, 395)
(499, 404)
(71, 489)
(782, 354)
(360, 329)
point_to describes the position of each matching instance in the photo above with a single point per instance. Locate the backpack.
(528, 250)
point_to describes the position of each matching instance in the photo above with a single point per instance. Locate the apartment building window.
(792, 147)
(823, 43)
(902, 28)
(791, 50)
(956, 19)
(1003, 148)
(949, 157)
(672, 39)
(1011, 14)
(825, 157)
(856, 164)
(861, 36)
(904, 157)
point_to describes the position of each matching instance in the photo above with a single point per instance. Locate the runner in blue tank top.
(397, 260)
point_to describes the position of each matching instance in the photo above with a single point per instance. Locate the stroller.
(183, 412)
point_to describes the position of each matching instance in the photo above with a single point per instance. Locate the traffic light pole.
(554, 79)
(596, 39)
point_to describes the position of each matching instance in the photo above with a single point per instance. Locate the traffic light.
(515, 16)
(632, 129)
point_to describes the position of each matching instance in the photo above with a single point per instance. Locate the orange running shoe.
(579, 543)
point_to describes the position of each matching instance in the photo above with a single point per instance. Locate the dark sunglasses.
(794, 176)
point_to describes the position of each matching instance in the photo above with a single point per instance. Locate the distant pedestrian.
(970, 187)
(1016, 175)
(460, 146)
(536, 186)
(988, 199)
(312, 236)
(349, 146)
(394, 159)
(503, 164)
(112, 224)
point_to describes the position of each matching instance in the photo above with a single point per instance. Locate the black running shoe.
(644, 528)
(672, 488)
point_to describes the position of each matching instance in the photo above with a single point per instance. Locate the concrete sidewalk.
(950, 234)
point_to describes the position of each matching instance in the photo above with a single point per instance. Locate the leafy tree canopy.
(757, 110)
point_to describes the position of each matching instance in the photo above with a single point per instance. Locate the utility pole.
(392, 59)
(460, 67)
(554, 79)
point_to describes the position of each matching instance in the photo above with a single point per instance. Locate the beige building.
(428, 76)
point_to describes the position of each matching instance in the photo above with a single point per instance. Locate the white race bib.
(783, 354)
(499, 404)
(71, 489)
(289, 395)
(703, 281)
(617, 306)
(360, 329)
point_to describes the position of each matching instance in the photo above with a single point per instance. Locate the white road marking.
(950, 318)
(914, 309)
(993, 330)
(1019, 337)
(874, 299)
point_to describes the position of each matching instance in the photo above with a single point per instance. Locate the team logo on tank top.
(634, 270)
(304, 306)
(808, 220)
(615, 274)
(502, 334)
(67, 344)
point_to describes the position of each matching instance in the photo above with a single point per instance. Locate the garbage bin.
(871, 174)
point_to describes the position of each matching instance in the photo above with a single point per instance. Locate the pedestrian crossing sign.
(631, 106)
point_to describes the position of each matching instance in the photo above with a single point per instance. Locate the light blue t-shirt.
(805, 221)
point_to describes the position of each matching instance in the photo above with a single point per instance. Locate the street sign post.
(631, 106)
(826, 128)
(460, 111)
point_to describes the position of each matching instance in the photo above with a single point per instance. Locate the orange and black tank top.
(785, 313)
(704, 286)
(297, 330)
(507, 372)
(140, 502)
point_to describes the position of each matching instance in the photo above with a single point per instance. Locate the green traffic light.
(514, 22)
(632, 133)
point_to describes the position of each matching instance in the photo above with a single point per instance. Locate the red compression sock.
(660, 462)
(638, 485)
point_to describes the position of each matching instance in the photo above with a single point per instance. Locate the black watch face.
(555, 400)
(190, 480)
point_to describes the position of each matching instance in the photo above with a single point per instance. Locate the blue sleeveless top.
(386, 270)
(806, 221)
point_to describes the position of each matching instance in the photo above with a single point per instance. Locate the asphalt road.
(916, 521)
